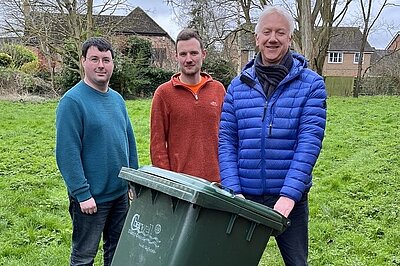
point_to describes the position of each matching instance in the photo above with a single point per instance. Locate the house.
(118, 28)
(240, 46)
(343, 53)
(139, 23)
(394, 44)
(385, 65)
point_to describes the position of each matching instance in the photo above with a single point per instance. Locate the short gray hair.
(268, 10)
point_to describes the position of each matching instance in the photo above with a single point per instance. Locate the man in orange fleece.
(185, 115)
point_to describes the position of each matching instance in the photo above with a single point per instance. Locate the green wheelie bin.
(181, 220)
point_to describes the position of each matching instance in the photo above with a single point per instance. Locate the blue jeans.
(293, 242)
(88, 228)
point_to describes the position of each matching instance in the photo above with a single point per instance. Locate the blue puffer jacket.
(270, 146)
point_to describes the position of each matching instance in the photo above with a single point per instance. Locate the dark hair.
(102, 44)
(187, 34)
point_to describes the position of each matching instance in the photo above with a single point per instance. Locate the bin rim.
(205, 194)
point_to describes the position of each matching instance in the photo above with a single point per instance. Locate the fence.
(339, 86)
(344, 86)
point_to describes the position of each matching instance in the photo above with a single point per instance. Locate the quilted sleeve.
(309, 142)
(228, 144)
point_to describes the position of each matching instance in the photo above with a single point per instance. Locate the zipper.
(263, 176)
(263, 140)
(264, 111)
(270, 127)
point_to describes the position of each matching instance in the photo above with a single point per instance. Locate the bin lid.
(205, 194)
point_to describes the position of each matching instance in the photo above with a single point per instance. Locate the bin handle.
(222, 190)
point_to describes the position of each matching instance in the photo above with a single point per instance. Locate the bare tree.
(315, 20)
(48, 23)
(368, 22)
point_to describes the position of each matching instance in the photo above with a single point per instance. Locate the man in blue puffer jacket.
(271, 130)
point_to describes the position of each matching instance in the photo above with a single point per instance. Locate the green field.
(354, 203)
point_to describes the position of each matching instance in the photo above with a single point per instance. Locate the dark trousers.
(293, 242)
(88, 228)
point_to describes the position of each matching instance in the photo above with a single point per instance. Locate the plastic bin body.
(180, 223)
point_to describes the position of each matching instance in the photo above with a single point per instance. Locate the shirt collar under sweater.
(176, 82)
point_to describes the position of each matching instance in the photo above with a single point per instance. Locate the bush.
(220, 70)
(69, 74)
(132, 77)
(15, 82)
(380, 86)
(148, 80)
(5, 60)
(139, 51)
(132, 81)
(30, 67)
(19, 54)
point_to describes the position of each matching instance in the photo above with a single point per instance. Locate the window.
(251, 55)
(357, 58)
(335, 57)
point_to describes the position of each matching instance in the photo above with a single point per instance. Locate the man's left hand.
(284, 206)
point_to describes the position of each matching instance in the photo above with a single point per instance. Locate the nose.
(188, 58)
(272, 36)
(101, 64)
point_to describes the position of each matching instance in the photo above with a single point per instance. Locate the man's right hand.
(88, 206)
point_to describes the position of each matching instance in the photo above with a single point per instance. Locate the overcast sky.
(389, 23)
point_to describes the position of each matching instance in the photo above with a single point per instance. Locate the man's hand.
(131, 194)
(88, 206)
(284, 206)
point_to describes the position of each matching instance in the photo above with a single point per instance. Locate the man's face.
(274, 38)
(98, 68)
(190, 56)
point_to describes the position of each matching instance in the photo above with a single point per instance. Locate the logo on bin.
(145, 233)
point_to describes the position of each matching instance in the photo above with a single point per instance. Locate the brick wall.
(347, 68)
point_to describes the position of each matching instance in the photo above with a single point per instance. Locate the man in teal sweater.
(94, 140)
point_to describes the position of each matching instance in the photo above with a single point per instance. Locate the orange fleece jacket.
(184, 127)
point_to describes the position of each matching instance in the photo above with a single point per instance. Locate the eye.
(107, 60)
(94, 60)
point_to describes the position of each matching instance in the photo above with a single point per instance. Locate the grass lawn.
(354, 202)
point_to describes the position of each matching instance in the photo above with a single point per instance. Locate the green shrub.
(132, 77)
(69, 74)
(139, 50)
(220, 70)
(132, 81)
(30, 67)
(17, 82)
(5, 60)
(19, 54)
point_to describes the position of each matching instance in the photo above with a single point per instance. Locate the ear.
(256, 38)
(204, 53)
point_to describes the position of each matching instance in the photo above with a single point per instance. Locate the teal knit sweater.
(94, 140)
